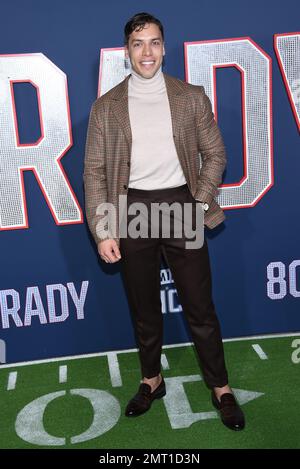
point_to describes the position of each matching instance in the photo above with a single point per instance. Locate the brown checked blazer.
(108, 149)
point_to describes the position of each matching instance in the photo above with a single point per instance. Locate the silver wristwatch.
(205, 206)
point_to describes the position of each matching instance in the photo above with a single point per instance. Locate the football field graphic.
(79, 402)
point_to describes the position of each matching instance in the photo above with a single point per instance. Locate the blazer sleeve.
(94, 176)
(212, 149)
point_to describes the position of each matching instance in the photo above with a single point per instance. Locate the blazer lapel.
(120, 108)
(177, 103)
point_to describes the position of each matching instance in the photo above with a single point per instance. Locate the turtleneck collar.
(147, 85)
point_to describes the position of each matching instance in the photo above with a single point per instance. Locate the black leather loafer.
(231, 414)
(142, 401)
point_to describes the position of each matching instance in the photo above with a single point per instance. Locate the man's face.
(146, 50)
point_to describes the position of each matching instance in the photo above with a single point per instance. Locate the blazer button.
(128, 163)
(125, 187)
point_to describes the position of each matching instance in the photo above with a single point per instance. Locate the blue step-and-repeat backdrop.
(56, 297)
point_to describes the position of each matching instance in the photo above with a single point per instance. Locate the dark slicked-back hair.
(138, 22)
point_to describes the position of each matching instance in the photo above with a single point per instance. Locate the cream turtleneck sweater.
(154, 160)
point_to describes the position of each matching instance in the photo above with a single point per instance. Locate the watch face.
(205, 206)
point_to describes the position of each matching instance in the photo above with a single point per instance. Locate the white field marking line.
(260, 352)
(12, 380)
(104, 354)
(114, 369)
(164, 362)
(63, 373)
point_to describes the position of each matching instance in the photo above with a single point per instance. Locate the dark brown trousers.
(191, 272)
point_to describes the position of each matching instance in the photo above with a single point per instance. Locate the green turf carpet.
(79, 403)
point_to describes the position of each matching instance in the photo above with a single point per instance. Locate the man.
(144, 139)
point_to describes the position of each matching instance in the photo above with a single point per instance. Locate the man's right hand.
(109, 250)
